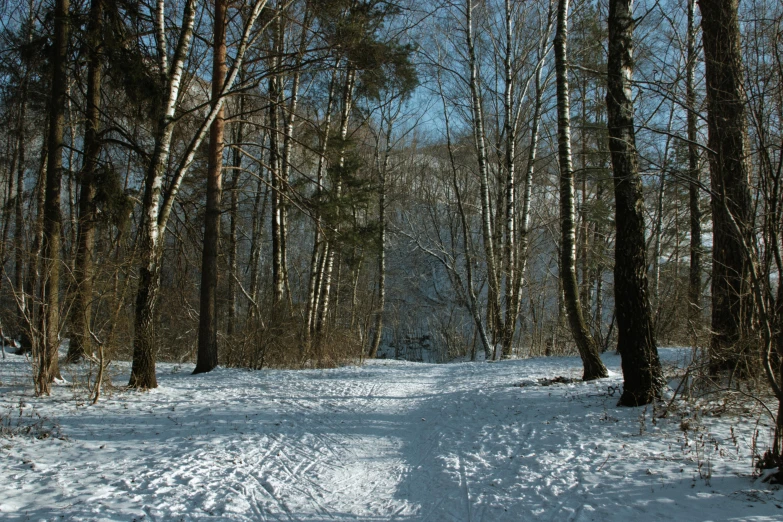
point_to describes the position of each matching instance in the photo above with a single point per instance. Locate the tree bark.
(729, 179)
(511, 253)
(156, 208)
(329, 248)
(207, 355)
(276, 168)
(588, 350)
(29, 311)
(150, 240)
(479, 139)
(382, 171)
(19, 224)
(694, 274)
(80, 328)
(314, 285)
(642, 374)
(233, 250)
(257, 236)
(278, 270)
(47, 361)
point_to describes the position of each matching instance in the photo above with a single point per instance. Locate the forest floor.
(389, 440)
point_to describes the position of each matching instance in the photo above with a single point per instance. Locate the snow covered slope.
(388, 441)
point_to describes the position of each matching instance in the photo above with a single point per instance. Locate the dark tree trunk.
(19, 224)
(233, 251)
(207, 356)
(144, 341)
(29, 312)
(642, 374)
(729, 179)
(13, 143)
(80, 328)
(48, 367)
(22, 310)
(694, 277)
(588, 349)
(384, 166)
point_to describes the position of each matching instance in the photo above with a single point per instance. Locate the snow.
(390, 440)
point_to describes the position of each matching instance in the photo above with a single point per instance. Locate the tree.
(694, 277)
(642, 374)
(83, 273)
(728, 179)
(46, 359)
(207, 357)
(157, 205)
(588, 349)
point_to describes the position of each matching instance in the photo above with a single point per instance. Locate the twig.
(101, 366)
(603, 463)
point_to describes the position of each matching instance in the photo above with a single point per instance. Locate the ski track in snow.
(387, 441)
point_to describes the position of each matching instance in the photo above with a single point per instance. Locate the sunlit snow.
(390, 440)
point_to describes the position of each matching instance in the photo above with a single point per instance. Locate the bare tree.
(588, 349)
(729, 180)
(82, 313)
(642, 374)
(694, 277)
(46, 359)
(207, 355)
(157, 205)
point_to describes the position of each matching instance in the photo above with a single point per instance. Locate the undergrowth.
(23, 420)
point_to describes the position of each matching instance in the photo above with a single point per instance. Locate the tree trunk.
(642, 374)
(278, 276)
(80, 328)
(289, 118)
(257, 236)
(376, 340)
(510, 248)
(156, 208)
(584, 217)
(8, 195)
(19, 223)
(22, 309)
(588, 350)
(326, 278)
(694, 274)
(470, 293)
(47, 363)
(29, 311)
(233, 250)
(275, 165)
(207, 356)
(314, 285)
(150, 237)
(479, 140)
(729, 179)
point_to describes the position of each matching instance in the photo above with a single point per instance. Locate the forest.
(305, 184)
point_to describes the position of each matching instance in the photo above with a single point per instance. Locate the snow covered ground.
(387, 441)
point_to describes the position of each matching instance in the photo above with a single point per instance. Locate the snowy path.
(388, 441)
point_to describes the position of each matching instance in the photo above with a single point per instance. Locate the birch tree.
(157, 204)
(588, 349)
